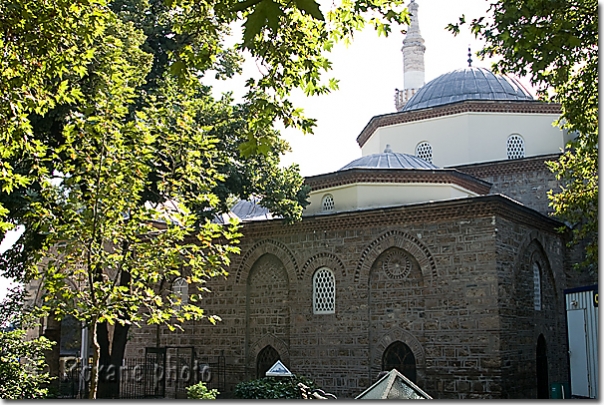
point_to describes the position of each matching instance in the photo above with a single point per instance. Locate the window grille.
(181, 289)
(537, 286)
(515, 147)
(324, 292)
(424, 151)
(328, 203)
(399, 356)
(265, 360)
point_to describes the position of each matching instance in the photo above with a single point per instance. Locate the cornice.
(481, 206)
(504, 167)
(360, 175)
(519, 107)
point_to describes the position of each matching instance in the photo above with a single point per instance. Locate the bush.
(200, 391)
(272, 388)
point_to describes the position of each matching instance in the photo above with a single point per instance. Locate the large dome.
(389, 160)
(471, 83)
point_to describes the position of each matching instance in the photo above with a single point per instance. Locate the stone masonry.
(453, 281)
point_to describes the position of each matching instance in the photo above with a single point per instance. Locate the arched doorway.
(399, 356)
(265, 360)
(542, 379)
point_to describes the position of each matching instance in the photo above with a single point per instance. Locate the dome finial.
(469, 56)
(387, 150)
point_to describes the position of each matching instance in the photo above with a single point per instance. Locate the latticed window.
(328, 203)
(324, 292)
(181, 289)
(424, 151)
(537, 286)
(515, 147)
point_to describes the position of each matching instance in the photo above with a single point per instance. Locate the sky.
(369, 71)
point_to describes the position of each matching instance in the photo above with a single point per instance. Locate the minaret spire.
(413, 59)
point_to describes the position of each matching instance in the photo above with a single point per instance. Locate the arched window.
(324, 292)
(328, 203)
(265, 360)
(515, 147)
(537, 286)
(399, 356)
(424, 151)
(181, 289)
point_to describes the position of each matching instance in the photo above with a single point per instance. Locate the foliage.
(200, 391)
(42, 43)
(555, 42)
(272, 388)
(22, 365)
(115, 152)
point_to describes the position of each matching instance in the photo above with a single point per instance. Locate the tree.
(22, 374)
(555, 43)
(122, 167)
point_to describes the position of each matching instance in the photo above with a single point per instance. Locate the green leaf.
(310, 7)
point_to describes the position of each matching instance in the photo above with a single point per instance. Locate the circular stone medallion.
(397, 265)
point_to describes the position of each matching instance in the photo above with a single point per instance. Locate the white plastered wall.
(376, 195)
(470, 137)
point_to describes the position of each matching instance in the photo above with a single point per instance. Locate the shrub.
(200, 391)
(272, 388)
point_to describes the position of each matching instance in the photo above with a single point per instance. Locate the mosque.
(434, 253)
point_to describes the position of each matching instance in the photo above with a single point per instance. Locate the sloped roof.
(389, 160)
(394, 385)
(472, 83)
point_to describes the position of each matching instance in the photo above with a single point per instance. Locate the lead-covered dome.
(389, 160)
(472, 83)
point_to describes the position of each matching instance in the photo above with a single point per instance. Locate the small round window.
(515, 147)
(328, 204)
(424, 151)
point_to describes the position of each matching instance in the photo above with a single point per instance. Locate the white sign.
(278, 370)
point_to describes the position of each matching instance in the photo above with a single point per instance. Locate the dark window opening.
(399, 356)
(265, 360)
(542, 378)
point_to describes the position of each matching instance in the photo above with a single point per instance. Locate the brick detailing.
(519, 107)
(268, 306)
(521, 324)
(359, 175)
(401, 335)
(525, 180)
(403, 241)
(269, 339)
(267, 246)
(395, 304)
(507, 167)
(323, 259)
(417, 213)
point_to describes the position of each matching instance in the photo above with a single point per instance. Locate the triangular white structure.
(394, 385)
(278, 370)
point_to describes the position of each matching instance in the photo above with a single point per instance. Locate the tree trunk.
(96, 354)
(52, 357)
(110, 374)
(105, 375)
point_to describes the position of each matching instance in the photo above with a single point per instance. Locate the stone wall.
(525, 180)
(442, 278)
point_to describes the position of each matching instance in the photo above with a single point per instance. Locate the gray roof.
(472, 83)
(389, 160)
(245, 210)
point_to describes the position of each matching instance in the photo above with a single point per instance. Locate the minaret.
(413, 60)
